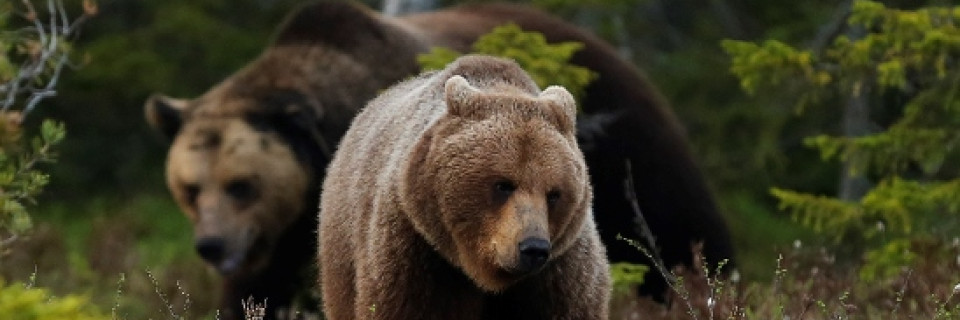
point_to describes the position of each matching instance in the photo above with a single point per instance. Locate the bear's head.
(502, 180)
(241, 173)
(247, 157)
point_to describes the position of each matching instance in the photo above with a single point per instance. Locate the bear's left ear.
(165, 114)
(458, 93)
(564, 107)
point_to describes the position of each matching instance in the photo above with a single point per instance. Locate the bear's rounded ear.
(458, 93)
(165, 114)
(564, 105)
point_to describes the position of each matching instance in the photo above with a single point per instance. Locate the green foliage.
(885, 262)
(30, 62)
(20, 180)
(907, 53)
(546, 63)
(754, 64)
(626, 276)
(21, 302)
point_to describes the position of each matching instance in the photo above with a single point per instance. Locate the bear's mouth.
(232, 263)
(514, 273)
(245, 261)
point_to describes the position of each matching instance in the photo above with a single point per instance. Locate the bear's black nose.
(533, 254)
(210, 248)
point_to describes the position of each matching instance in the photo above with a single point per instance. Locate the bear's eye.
(503, 189)
(240, 190)
(553, 197)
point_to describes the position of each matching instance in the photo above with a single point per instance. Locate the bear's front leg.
(402, 277)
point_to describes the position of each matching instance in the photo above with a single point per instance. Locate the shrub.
(548, 64)
(23, 302)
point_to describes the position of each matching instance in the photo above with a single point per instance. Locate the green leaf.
(437, 58)
(625, 276)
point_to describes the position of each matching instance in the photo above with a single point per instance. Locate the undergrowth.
(120, 267)
(810, 283)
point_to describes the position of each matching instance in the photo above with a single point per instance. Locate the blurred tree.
(547, 63)
(897, 69)
(398, 7)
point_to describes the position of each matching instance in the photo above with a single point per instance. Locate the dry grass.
(809, 284)
(120, 262)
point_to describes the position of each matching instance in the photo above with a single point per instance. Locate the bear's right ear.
(341, 24)
(564, 105)
(165, 114)
(458, 93)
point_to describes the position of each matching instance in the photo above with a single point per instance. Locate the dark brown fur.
(414, 227)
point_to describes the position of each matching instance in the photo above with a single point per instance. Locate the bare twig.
(163, 297)
(253, 310)
(116, 299)
(644, 229)
(48, 53)
(4, 243)
(899, 297)
(653, 253)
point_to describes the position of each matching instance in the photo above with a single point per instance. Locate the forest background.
(106, 227)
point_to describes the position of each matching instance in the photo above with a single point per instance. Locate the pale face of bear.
(240, 187)
(511, 190)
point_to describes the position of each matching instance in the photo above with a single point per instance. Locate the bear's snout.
(216, 252)
(533, 254)
(210, 249)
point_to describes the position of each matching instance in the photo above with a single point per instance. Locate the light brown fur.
(415, 222)
(200, 170)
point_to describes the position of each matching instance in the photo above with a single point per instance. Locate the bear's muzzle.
(533, 254)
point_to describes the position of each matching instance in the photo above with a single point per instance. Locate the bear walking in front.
(462, 194)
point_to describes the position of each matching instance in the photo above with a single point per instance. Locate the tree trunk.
(399, 7)
(856, 122)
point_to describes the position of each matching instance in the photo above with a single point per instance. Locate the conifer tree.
(900, 60)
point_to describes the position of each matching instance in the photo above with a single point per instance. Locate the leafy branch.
(32, 59)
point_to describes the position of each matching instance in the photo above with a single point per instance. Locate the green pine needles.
(548, 64)
(20, 179)
(913, 56)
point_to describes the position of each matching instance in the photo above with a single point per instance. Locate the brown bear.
(462, 194)
(295, 101)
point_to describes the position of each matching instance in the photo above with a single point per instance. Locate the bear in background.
(462, 194)
(248, 156)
